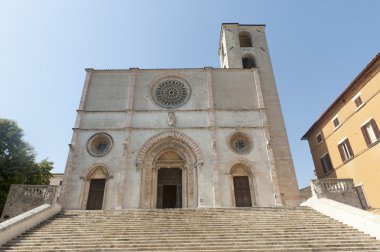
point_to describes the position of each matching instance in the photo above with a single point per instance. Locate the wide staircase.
(244, 229)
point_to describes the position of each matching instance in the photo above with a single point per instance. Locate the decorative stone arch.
(150, 160)
(97, 171)
(243, 168)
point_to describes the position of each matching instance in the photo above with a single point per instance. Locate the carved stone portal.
(169, 150)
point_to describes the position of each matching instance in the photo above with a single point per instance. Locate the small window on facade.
(245, 39)
(358, 101)
(326, 163)
(345, 150)
(363, 201)
(370, 132)
(248, 63)
(336, 122)
(319, 137)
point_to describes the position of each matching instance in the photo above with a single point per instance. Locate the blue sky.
(317, 48)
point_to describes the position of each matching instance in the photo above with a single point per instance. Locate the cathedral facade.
(183, 138)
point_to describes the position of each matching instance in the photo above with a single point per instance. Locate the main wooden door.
(96, 194)
(169, 188)
(242, 191)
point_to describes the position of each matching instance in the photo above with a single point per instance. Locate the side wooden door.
(242, 191)
(96, 194)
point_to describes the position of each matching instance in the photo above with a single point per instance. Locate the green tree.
(17, 160)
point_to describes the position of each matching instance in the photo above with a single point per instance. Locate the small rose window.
(240, 143)
(99, 144)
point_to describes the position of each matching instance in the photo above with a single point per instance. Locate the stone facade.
(222, 128)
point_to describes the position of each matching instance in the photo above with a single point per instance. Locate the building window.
(363, 201)
(345, 150)
(326, 163)
(358, 101)
(319, 138)
(240, 143)
(248, 63)
(245, 39)
(99, 144)
(370, 132)
(336, 122)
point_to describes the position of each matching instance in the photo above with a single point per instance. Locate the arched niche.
(169, 150)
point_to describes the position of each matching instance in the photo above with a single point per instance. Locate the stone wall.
(22, 198)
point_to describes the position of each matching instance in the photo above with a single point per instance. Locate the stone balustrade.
(22, 198)
(341, 190)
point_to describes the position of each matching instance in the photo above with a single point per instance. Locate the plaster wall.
(362, 167)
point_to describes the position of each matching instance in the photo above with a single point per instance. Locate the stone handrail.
(15, 226)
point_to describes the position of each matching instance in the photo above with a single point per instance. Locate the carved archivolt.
(166, 150)
(174, 138)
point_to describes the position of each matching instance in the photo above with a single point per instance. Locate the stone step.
(203, 250)
(232, 233)
(189, 242)
(247, 229)
(195, 247)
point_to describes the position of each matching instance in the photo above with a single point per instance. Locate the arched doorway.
(243, 191)
(168, 163)
(95, 188)
(169, 180)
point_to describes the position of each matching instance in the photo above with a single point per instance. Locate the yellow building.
(344, 141)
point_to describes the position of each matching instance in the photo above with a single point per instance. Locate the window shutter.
(340, 148)
(323, 166)
(329, 162)
(365, 135)
(349, 148)
(375, 128)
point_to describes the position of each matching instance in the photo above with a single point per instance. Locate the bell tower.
(245, 47)
(241, 46)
